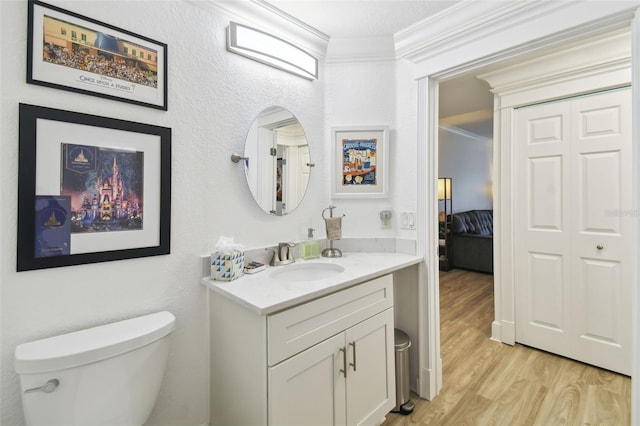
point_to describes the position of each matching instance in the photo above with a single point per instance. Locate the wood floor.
(490, 383)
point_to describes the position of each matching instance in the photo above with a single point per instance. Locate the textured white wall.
(468, 162)
(363, 94)
(213, 98)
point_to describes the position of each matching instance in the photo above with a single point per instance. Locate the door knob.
(599, 246)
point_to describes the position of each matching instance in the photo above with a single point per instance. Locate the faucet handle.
(285, 246)
(289, 253)
(275, 259)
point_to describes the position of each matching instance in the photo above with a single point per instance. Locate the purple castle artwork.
(105, 186)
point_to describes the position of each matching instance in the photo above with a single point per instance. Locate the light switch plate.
(408, 220)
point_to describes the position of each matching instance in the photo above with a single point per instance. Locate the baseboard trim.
(496, 334)
(427, 384)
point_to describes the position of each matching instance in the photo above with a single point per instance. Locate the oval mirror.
(278, 163)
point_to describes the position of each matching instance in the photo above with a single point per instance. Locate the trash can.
(404, 405)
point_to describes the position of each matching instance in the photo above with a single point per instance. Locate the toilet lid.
(92, 344)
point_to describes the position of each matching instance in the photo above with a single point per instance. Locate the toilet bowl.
(108, 375)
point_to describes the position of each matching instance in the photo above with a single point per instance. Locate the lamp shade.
(444, 188)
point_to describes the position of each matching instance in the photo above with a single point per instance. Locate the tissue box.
(227, 266)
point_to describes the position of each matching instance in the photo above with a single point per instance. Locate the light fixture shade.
(444, 188)
(270, 50)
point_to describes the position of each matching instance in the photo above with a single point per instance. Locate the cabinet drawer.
(299, 328)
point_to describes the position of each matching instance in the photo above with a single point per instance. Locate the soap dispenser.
(310, 249)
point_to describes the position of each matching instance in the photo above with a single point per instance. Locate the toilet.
(108, 375)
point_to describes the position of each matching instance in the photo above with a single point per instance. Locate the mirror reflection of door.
(292, 150)
(265, 166)
(278, 168)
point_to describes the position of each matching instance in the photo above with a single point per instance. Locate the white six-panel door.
(573, 228)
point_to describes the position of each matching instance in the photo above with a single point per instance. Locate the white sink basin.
(299, 272)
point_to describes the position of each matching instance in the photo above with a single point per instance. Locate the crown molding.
(610, 51)
(469, 21)
(461, 132)
(464, 22)
(601, 62)
(266, 17)
(363, 49)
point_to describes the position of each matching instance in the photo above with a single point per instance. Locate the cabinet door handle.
(354, 355)
(344, 361)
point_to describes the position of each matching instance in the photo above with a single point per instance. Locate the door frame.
(427, 145)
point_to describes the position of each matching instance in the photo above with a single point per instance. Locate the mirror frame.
(277, 161)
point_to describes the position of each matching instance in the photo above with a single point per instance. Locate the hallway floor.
(490, 383)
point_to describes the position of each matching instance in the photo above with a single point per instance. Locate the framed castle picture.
(90, 189)
(72, 52)
(360, 164)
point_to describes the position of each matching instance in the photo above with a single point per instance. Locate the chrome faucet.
(283, 255)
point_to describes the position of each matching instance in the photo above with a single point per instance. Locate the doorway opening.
(465, 204)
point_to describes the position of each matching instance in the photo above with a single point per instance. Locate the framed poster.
(360, 162)
(72, 52)
(90, 189)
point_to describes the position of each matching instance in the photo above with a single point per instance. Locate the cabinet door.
(371, 389)
(309, 388)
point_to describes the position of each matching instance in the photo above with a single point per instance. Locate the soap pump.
(310, 249)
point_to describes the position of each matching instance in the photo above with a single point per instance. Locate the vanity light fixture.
(270, 50)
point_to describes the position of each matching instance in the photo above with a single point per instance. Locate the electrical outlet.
(408, 220)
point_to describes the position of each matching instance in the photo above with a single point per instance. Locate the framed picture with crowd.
(73, 52)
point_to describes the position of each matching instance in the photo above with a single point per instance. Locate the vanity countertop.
(265, 295)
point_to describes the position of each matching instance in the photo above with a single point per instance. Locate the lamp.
(445, 217)
(444, 194)
(444, 189)
(270, 50)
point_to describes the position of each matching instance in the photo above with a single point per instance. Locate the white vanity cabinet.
(342, 380)
(328, 361)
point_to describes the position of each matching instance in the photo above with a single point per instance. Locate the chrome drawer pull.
(344, 361)
(354, 355)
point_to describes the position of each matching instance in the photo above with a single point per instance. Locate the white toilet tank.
(108, 375)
